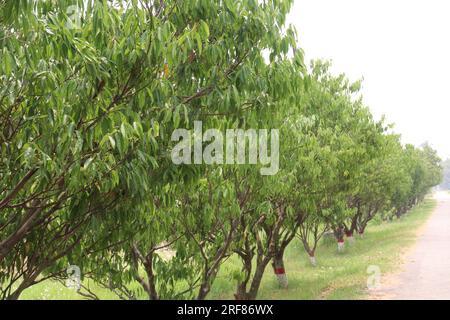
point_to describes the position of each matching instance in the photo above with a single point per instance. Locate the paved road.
(426, 274)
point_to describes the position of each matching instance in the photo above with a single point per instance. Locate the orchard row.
(87, 109)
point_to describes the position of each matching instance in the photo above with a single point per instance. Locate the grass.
(337, 275)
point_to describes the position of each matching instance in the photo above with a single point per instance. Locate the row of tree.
(91, 93)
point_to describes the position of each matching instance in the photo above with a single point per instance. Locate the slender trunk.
(315, 237)
(341, 245)
(205, 286)
(339, 234)
(354, 225)
(278, 268)
(14, 296)
(312, 257)
(310, 252)
(28, 222)
(242, 293)
(153, 294)
(7, 245)
(203, 291)
(27, 282)
(361, 230)
(349, 235)
(241, 290)
(256, 281)
(151, 282)
(212, 265)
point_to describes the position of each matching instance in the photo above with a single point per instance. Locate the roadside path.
(426, 273)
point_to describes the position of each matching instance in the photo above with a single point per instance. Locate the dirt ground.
(425, 273)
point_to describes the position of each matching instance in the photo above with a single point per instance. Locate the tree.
(379, 177)
(92, 92)
(343, 139)
(86, 108)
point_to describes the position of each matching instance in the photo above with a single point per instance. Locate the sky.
(402, 50)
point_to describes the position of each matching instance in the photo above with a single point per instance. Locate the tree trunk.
(349, 235)
(310, 251)
(340, 245)
(203, 291)
(27, 282)
(241, 292)
(339, 234)
(278, 268)
(256, 281)
(361, 231)
(312, 258)
(151, 286)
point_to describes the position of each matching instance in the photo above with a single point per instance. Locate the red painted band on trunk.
(349, 234)
(341, 241)
(279, 271)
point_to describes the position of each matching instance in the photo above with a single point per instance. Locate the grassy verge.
(337, 275)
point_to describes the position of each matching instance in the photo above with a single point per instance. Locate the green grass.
(336, 276)
(52, 290)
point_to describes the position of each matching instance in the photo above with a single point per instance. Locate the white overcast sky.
(400, 47)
